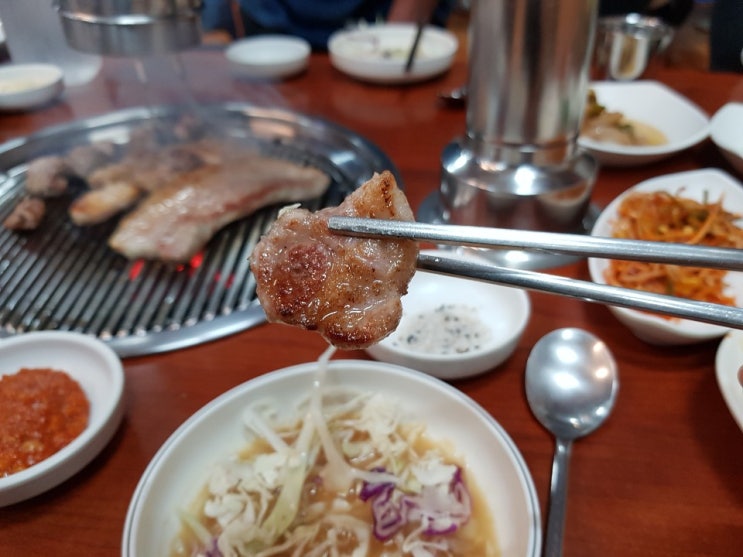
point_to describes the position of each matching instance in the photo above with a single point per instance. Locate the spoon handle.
(558, 499)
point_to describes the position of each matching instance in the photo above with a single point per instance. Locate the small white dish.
(711, 184)
(27, 86)
(268, 56)
(378, 53)
(100, 374)
(726, 131)
(649, 102)
(178, 471)
(728, 360)
(501, 311)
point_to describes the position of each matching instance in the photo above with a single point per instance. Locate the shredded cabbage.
(310, 484)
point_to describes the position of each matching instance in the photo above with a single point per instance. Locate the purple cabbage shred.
(392, 509)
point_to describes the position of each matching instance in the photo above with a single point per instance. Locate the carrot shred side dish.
(662, 216)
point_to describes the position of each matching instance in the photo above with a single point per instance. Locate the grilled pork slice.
(85, 159)
(116, 187)
(27, 215)
(48, 176)
(151, 170)
(348, 289)
(176, 221)
(99, 205)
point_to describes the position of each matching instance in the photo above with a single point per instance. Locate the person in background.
(726, 36)
(314, 21)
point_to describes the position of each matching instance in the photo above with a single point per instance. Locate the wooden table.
(664, 475)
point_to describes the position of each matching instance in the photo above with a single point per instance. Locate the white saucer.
(268, 56)
(728, 361)
(27, 86)
(99, 372)
(652, 103)
(378, 53)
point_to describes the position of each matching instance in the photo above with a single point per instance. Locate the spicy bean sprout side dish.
(662, 216)
(346, 474)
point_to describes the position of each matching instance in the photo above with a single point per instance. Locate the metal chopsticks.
(414, 48)
(706, 312)
(721, 258)
(549, 242)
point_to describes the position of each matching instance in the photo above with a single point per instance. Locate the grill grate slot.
(64, 277)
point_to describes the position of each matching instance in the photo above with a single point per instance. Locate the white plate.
(726, 131)
(695, 184)
(179, 469)
(652, 103)
(100, 374)
(27, 86)
(378, 53)
(728, 361)
(504, 311)
(268, 56)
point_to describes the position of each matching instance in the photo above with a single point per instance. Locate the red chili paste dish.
(41, 411)
(61, 401)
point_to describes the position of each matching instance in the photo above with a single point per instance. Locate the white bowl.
(728, 361)
(726, 131)
(100, 374)
(683, 123)
(378, 53)
(268, 56)
(179, 470)
(501, 311)
(697, 184)
(27, 86)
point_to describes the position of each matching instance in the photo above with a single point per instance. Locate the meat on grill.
(118, 186)
(85, 159)
(348, 289)
(26, 215)
(48, 176)
(99, 205)
(175, 222)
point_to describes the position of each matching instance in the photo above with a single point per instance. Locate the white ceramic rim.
(46, 73)
(730, 111)
(285, 50)
(496, 344)
(391, 71)
(629, 151)
(60, 466)
(683, 330)
(534, 542)
(728, 359)
(51, 84)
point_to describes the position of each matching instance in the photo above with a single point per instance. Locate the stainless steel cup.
(625, 45)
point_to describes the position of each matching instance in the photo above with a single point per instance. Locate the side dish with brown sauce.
(607, 126)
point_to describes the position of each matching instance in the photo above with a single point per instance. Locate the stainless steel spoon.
(571, 387)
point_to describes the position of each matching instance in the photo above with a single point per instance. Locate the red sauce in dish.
(41, 411)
